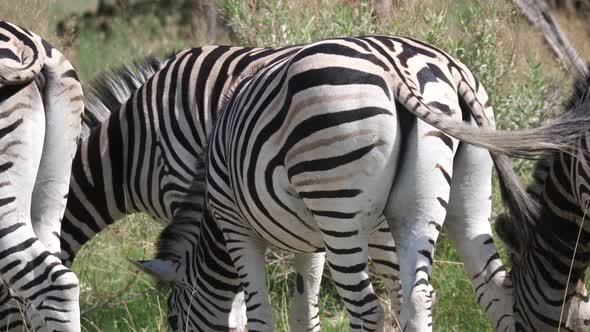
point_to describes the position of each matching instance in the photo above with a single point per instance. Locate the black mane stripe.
(111, 89)
(580, 94)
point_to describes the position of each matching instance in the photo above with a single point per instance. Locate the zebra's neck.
(97, 195)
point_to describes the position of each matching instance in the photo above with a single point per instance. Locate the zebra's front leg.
(305, 314)
(247, 253)
(468, 227)
(415, 212)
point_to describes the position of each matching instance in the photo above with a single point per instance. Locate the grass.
(114, 296)
(525, 84)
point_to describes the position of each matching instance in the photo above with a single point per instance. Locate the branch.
(538, 15)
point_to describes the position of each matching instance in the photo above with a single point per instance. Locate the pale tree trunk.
(207, 10)
(538, 15)
(382, 10)
(210, 9)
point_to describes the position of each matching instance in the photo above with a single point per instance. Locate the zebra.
(100, 193)
(41, 105)
(352, 86)
(549, 245)
(570, 7)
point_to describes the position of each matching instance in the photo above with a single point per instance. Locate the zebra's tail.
(519, 205)
(112, 88)
(561, 134)
(21, 55)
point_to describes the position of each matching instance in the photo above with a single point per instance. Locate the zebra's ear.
(512, 235)
(161, 269)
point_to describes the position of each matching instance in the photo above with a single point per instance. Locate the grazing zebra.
(133, 105)
(542, 246)
(304, 157)
(40, 111)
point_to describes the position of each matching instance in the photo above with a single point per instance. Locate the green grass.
(137, 38)
(114, 296)
(524, 85)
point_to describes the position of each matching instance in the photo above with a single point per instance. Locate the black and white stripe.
(542, 246)
(41, 104)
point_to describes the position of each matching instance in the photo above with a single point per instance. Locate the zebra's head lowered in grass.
(199, 275)
(550, 250)
(169, 260)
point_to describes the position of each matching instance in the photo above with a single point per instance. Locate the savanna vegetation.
(524, 81)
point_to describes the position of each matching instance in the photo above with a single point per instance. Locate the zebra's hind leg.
(305, 314)
(416, 211)
(347, 256)
(31, 271)
(385, 262)
(468, 227)
(248, 256)
(345, 222)
(63, 103)
(12, 312)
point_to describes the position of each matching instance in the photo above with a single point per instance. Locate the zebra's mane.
(580, 94)
(112, 88)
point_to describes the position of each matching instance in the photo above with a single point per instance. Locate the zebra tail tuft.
(559, 135)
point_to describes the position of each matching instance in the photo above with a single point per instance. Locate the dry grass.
(29, 14)
(577, 30)
(37, 16)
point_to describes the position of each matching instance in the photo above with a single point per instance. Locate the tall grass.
(525, 85)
